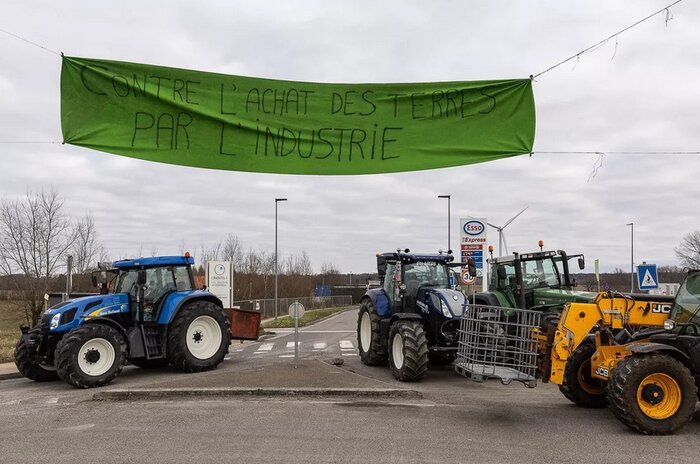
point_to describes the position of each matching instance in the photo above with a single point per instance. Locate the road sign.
(473, 246)
(466, 277)
(220, 280)
(296, 310)
(647, 278)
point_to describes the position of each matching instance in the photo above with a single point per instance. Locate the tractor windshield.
(540, 273)
(686, 306)
(426, 274)
(159, 281)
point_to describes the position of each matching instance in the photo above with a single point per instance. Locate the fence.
(267, 307)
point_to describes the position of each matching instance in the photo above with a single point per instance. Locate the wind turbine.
(502, 238)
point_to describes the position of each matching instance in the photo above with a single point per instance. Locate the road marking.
(346, 345)
(266, 347)
(286, 356)
(327, 331)
(349, 354)
(320, 346)
(78, 428)
(290, 345)
(53, 400)
(227, 358)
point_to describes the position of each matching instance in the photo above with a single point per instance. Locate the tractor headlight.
(445, 310)
(669, 324)
(55, 320)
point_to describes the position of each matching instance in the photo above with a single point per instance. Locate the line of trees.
(37, 235)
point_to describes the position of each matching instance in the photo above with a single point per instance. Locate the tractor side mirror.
(501, 271)
(141, 277)
(581, 263)
(471, 266)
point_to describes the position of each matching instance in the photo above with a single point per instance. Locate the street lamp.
(631, 257)
(448, 218)
(277, 200)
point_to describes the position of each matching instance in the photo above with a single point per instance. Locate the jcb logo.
(601, 371)
(660, 308)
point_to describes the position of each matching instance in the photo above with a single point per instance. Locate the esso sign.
(474, 228)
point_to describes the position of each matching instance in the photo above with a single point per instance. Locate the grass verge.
(10, 320)
(309, 317)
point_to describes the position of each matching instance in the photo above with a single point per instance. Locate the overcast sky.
(638, 94)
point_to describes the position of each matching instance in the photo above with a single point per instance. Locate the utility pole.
(449, 197)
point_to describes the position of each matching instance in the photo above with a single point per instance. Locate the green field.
(309, 317)
(10, 320)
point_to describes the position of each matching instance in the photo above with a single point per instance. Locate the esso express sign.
(473, 228)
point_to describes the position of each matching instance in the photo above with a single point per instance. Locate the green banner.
(218, 121)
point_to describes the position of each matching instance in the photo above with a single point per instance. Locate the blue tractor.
(148, 312)
(413, 317)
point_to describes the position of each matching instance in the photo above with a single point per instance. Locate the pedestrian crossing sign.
(647, 278)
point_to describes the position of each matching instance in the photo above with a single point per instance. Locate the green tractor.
(539, 281)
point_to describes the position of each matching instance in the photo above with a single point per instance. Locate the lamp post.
(277, 200)
(448, 218)
(631, 257)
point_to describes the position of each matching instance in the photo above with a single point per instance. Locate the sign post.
(220, 280)
(647, 277)
(473, 245)
(296, 310)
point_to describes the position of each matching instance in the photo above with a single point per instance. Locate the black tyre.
(408, 351)
(369, 342)
(90, 356)
(28, 365)
(441, 358)
(654, 393)
(198, 337)
(148, 363)
(579, 386)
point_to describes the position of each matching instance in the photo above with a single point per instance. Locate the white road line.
(349, 354)
(227, 358)
(320, 346)
(290, 345)
(328, 331)
(286, 356)
(53, 401)
(346, 345)
(266, 347)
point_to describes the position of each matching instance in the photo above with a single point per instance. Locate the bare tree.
(211, 253)
(87, 249)
(35, 236)
(688, 251)
(232, 251)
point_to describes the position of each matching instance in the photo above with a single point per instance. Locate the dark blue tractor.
(414, 317)
(148, 312)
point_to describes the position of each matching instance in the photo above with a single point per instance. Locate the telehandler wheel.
(90, 356)
(29, 366)
(144, 363)
(199, 337)
(369, 342)
(653, 393)
(579, 386)
(408, 351)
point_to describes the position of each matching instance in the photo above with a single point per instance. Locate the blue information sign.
(647, 278)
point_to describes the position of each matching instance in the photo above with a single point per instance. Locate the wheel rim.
(397, 351)
(365, 332)
(203, 337)
(659, 396)
(587, 382)
(96, 357)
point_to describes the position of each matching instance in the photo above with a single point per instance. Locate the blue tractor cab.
(147, 312)
(414, 316)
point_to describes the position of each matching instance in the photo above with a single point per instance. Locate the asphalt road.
(456, 421)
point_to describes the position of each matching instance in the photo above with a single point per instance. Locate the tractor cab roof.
(153, 261)
(406, 257)
(525, 256)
